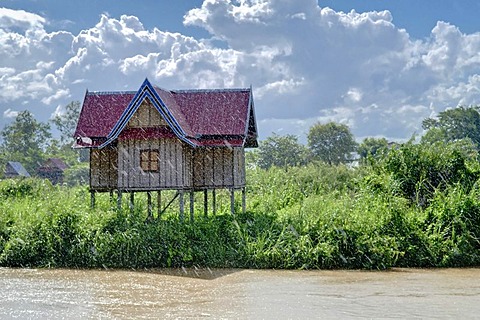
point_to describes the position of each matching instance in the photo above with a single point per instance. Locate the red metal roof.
(217, 117)
(214, 112)
(100, 112)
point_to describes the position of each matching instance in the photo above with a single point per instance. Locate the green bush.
(77, 175)
(376, 216)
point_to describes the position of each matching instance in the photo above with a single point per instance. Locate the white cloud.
(9, 113)
(14, 19)
(305, 63)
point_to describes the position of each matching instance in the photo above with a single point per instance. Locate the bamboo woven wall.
(218, 168)
(103, 169)
(171, 173)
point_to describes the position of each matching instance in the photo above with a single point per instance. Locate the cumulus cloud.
(305, 63)
(9, 113)
(13, 19)
(346, 63)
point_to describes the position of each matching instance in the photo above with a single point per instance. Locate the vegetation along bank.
(415, 204)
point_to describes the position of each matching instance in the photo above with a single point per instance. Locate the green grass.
(313, 217)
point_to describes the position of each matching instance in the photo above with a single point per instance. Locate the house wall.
(103, 169)
(172, 171)
(217, 167)
(179, 166)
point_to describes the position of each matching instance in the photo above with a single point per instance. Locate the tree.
(25, 141)
(67, 122)
(281, 151)
(332, 142)
(454, 124)
(371, 146)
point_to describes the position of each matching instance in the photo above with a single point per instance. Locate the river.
(239, 294)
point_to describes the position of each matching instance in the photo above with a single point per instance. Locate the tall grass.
(310, 217)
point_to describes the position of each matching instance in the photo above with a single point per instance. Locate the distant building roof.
(14, 168)
(53, 164)
(219, 117)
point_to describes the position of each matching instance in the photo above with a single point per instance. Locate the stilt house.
(155, 139)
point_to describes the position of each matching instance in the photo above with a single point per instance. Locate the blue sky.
(418, 17)
(380, 69)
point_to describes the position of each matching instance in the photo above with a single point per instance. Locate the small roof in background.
(54, 163)
(17, 169)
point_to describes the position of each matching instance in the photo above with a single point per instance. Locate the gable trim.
(146, 91)
(250, 117)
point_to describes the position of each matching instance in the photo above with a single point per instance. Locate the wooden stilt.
(119, 200)
(92, 199)
(131, 203)
(192, 202)
(244, 201)
(159, 204)
(214, 202)
(232, 201)
(182, 205)
(205, 202)
(149, 205)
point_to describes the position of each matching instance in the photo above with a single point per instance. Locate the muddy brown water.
(239, 294)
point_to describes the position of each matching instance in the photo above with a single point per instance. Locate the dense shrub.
(419, 170)
(415, 207)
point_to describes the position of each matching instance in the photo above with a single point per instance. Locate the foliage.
(453, 228)
(418, 170)
(25, 140)
(331, 143)
(315, 216)
(372, 147)
(454, 124)
(77, 175)
(67, 121)
(281, 151)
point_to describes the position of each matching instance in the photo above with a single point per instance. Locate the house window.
(149, 160)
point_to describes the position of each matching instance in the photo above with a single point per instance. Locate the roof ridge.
(209, 90)
(98, 93)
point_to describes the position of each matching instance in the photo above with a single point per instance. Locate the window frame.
(150, 162)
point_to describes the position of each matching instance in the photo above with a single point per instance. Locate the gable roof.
(219, 117)
(100, 111)
(15, 168)
(53, 164)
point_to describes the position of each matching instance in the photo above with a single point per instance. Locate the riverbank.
(315, 217)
